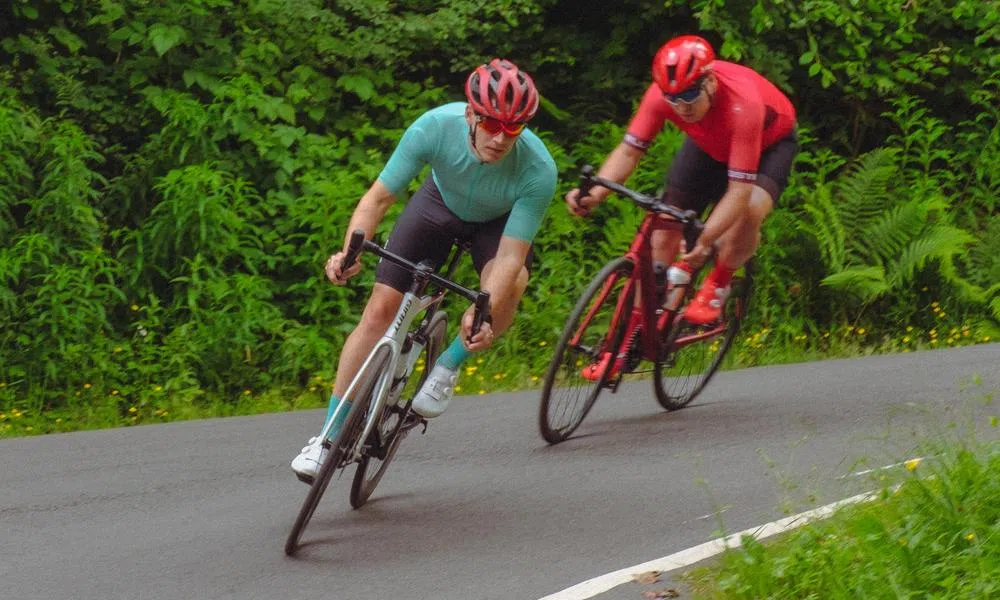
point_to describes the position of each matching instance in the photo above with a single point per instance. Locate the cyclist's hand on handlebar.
(483, 338)
(334, 272)
(580, 207)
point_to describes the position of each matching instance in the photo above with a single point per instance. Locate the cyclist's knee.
(522, 280)
(761, 205)
(381, 307)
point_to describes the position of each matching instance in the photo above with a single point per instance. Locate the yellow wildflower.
(86, 386)
(543, 343)
(970, 537)
(132, 409)
(912, 464)
(135, 307)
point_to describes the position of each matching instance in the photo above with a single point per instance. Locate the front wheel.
(689, 355)
(342, 446)
(385, 438)
(595, 327)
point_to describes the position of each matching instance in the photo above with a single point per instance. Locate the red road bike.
(630, 313)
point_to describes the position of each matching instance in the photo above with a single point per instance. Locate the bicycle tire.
(691, 366)
(391, 421)
(345, 441)
(568, 360)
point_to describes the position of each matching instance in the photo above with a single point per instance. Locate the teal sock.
(334, 401)
(455, 355)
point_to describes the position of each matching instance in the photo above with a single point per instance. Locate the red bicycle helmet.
(681, 62)
(502, 91)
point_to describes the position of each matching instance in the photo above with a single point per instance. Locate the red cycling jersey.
(748, 114)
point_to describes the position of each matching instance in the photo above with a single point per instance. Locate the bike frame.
(641, 255)
(394, 338)
(413, 303)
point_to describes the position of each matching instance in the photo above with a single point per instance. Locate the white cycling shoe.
(306, 465)
(436, 393)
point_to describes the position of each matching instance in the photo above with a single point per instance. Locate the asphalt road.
(479, 507)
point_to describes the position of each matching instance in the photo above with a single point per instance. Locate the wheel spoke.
(568, 395)
(690, 355)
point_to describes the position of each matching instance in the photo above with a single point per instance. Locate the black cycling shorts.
(427, 229)
(696, 180)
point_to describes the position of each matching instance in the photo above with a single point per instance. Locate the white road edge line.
(885, 468)
(684, 558)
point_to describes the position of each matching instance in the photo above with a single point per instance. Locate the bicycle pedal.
(412, 421)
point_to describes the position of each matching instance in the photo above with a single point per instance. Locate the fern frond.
(825, 226)
(867, 283)
(892, 231)
(964, 288)
(862, 192)
(938, 243)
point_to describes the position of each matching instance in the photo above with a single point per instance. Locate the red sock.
(721, 275)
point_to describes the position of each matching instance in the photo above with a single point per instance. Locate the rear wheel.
(690, 354)
(567, 395)
(386, 437)
(342, 446)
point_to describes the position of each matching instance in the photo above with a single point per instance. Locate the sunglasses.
(688, 96)
(494, 126)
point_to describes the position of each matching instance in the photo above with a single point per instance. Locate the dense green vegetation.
(173, 175)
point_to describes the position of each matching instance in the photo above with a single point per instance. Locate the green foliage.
(933, 535)
(876, 234)
(175, 173)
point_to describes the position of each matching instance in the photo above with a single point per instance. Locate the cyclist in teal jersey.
(490, 184)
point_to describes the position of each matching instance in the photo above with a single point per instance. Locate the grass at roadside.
(508, 367)
(934, 535)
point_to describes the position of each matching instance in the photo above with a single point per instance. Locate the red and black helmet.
(681, 62)
(502, 91)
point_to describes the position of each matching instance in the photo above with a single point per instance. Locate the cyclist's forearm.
(501, 283)
(733, 203)
(370, 210)
(618, 166)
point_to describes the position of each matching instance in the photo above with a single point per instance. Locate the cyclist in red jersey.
(738, 153)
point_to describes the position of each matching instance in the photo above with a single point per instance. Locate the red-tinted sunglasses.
(494, 126)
